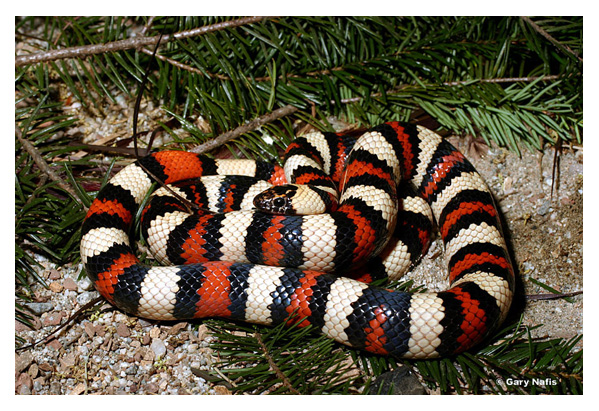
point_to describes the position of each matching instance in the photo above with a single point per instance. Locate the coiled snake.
(266, 268)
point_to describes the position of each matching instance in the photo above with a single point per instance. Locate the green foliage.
(292, 360)
(263, 360)
(47, 219)
(461, 70)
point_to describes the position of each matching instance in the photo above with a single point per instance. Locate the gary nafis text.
(531, 381)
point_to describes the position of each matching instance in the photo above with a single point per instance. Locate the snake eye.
(279, 202)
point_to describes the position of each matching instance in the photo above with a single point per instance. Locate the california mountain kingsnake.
(228, 277)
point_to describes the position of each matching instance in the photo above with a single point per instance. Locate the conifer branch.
(131, 43)
(44, 167)
(273, 365)
(548, 36)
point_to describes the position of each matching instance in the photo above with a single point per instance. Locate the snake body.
(269, 269)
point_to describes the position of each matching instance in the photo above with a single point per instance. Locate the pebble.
(69, 284)
(79, 389)
(400, 381)
(158, 347)
(122, 330)
(54, 275)
(85, 284)
(132, 370)
(86, 297)
(37, 385)
(23, 361)
(40, 308)
(55, 388)
(24, 390)
(155, 332)
(144, 323)
(544, 208)
(53, 318)
(152, 388)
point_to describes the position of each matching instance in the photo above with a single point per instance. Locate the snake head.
(277, 200)
(296, 199)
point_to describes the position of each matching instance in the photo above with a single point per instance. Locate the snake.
(243, 263)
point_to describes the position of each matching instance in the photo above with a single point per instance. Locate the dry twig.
(252, 125)
(44, 167)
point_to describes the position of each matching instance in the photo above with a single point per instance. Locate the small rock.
(122, 330)
(221, 390)
(100, 330)
(132, 370)
(507, 185)
(55, 287)
(33, 370)
(86, 297)
(24, 390)
(144, 323)
(40, 308)
(46, 367)
(152, 388)
(203, 332)
(85, 284)
(89, 329)
(147, 355)
(53, 318)
(544, 208)
(24, 380)
(399, 381)
(67, 362)
(158, 347)
(175, 329)
(69, 284)
(55, 388)
(79, 388)
(54, 275)
(55, 344)
(23, 361)
(38, 384)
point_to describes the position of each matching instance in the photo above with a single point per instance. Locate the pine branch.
(132, 43)
(543, 33)
(458, 83)
(273, 366)
(44, 167)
